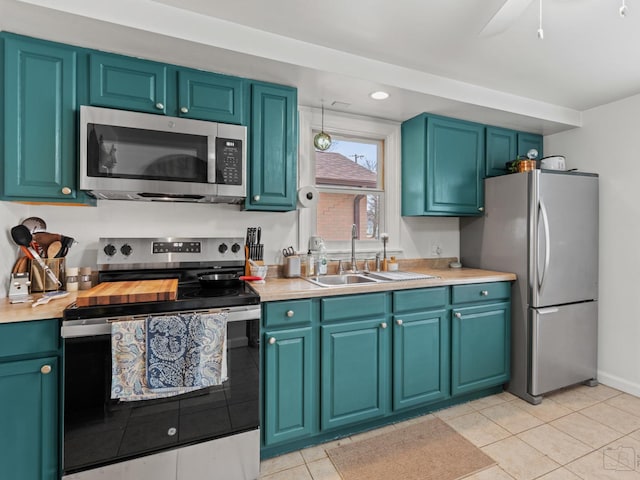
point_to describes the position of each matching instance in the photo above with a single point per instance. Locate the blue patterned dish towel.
(207, 364)
(186, 350)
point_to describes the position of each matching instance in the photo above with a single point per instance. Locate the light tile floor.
(581, 433)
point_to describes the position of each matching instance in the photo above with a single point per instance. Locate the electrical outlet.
(436, 249)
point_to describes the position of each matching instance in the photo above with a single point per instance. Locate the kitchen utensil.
(132, 291)
(35, 224)
(218, 280)
(289, 251)
(54, 249)
(47, 297)
(22, 236)
(555, 162)
(292, 266)
(250, 278)
(19, 287)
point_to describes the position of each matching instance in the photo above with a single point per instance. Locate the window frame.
(352, 126)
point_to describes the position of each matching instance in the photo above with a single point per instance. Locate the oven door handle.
(76, 331)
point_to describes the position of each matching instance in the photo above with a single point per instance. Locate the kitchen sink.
(365, 278)
(341, 280)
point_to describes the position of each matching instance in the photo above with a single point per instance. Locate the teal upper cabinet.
(501, 148)
(39, 124)
(503, 145)
(128, 83)
(207, 96)
(527, 141)
(442, 166)
(116, 81)
(273, 148)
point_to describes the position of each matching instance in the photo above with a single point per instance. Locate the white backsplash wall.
(144, 219)
(419, 235)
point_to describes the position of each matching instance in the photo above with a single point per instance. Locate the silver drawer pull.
(160, 106)
(484, 293)
(290, 313)
(45, 369)
(457, 315)
(399, 322)
(272, 340)
(383, 325)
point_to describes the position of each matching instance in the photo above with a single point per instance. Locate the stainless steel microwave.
(139, 156)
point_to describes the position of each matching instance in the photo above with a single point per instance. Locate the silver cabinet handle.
(399, 322)
(290, 313)
(160, 106)
(383, 325)
(66, 191)
(457, 315)
(484, 293)
(184, 110)
(256, 198)
(272, 340)
(481, 209)
(45, 369)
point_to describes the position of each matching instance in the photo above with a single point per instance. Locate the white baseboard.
(619, 383)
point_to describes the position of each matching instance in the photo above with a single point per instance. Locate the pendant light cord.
(540, 30)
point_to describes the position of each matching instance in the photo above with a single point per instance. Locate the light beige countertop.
(292, 288)
(276, 288)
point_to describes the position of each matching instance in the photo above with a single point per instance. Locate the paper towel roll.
(307, 196)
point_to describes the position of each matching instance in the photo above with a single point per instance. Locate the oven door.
(100, 431)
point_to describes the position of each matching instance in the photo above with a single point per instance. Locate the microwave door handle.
(211, 161)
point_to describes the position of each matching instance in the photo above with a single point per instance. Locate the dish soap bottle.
(322, 259)
(310, 264)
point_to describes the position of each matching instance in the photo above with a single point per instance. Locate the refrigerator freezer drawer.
(564, 342)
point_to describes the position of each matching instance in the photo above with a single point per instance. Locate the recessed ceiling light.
(379, 95)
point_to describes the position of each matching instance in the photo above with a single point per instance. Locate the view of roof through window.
(348, 176)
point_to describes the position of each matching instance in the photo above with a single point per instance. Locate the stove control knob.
(110, 250)
(235, 248)
(126, 249)
(223, 248)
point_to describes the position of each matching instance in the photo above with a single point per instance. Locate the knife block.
(40, 281)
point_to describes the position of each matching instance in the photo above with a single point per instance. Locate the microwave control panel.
(228, 161)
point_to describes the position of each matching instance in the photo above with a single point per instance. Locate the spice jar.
(84, 282)
(71, 279)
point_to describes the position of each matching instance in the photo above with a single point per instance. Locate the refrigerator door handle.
(547, 243)
(546, 311)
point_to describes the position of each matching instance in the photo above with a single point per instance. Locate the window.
(349, 177)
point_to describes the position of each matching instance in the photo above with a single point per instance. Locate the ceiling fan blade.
(504, 17)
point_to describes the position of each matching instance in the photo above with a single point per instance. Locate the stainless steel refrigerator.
(543, 226)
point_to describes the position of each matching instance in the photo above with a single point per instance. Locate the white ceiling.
(430, 55)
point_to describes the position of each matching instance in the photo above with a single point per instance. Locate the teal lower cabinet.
(420, 358)
(480, 347)
(355, 365)
(289, 384)
(29, 407)
(342, 364)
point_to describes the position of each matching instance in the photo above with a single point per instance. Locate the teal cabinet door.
(29, 419)
(527, 141)
(273, 148)
(480, 347)
(501, 147)
(127, 83)
(39, 121)
(207, 96)
(289, 385)
(442, 167)
(420, 358)
(355, 371)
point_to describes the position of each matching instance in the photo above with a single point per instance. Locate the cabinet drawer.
(480, 292)
(294, 312)
(27, 338)
(354, 306)
(420, 299)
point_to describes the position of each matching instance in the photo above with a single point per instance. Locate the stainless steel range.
(206, 433)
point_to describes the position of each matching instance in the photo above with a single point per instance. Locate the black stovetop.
(191, 296)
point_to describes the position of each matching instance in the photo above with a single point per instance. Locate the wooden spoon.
(54, 249)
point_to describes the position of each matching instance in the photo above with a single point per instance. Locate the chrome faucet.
(354, 235)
